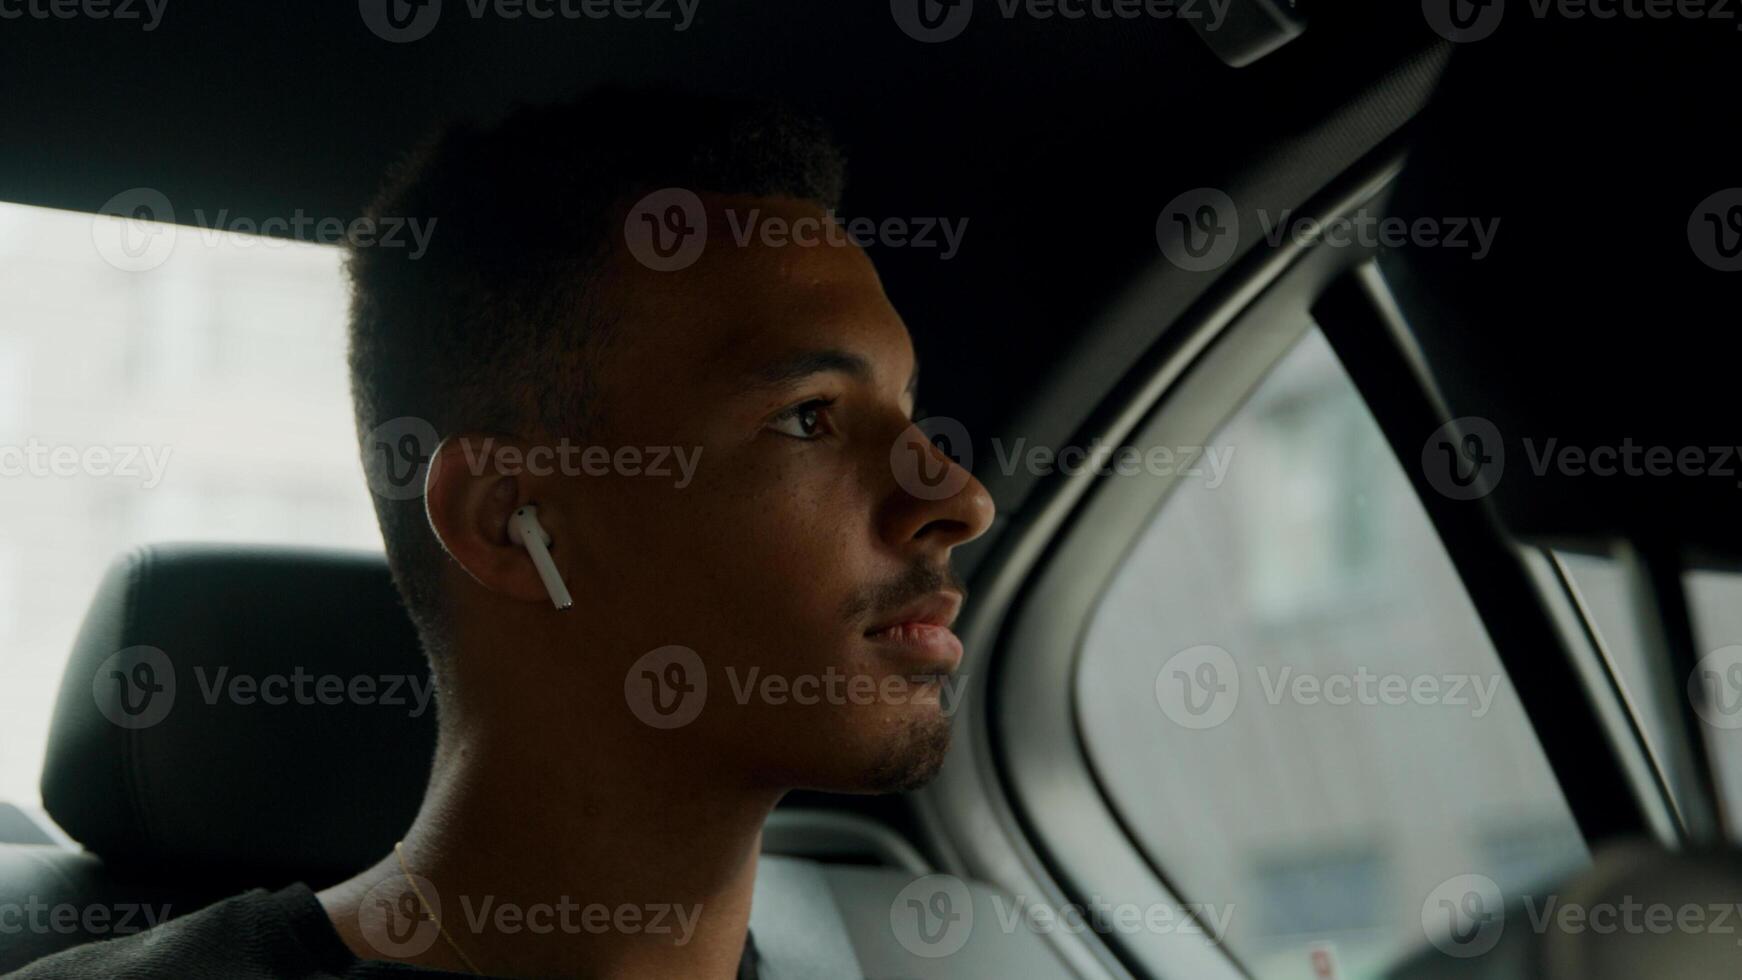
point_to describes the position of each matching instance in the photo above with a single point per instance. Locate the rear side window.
(1715, 600)
(157, 383)
(1289, 699)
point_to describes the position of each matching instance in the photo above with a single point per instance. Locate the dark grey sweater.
(258, 934)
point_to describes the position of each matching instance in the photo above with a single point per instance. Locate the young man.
(766, 610)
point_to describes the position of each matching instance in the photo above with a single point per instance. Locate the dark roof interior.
(1059, 141)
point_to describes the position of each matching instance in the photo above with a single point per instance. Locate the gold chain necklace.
(399, 852)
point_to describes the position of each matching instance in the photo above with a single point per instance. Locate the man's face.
(811, 584)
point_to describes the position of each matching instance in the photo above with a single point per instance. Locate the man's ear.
(475, 484)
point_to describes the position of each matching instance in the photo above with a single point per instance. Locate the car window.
(1715, 598)
(156, 383)
(1290, 701)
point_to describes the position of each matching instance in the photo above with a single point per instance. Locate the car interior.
(1364, 430)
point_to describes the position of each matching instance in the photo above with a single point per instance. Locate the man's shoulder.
(240, 938)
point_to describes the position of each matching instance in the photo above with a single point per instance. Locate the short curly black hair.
(498, 323)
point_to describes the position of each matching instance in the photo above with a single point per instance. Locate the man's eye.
(806, 420)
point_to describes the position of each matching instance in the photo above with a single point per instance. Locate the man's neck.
(572, 863)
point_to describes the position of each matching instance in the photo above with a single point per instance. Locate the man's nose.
(936, 501)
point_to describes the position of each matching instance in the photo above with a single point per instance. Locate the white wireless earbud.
(524, 530)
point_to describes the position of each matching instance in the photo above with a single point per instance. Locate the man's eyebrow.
(803, 364)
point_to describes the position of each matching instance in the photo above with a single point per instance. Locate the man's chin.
(912, 758)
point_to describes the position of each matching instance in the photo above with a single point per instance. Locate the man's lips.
(922, 628)
(937, 609)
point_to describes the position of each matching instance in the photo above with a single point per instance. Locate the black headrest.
(241, 711)
(1603, 316)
